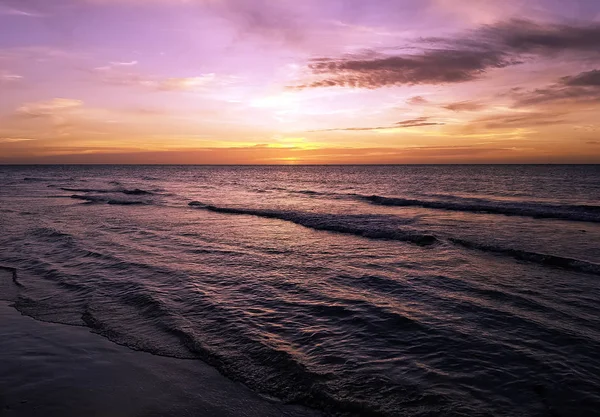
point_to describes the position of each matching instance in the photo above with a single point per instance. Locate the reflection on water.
(411, 291)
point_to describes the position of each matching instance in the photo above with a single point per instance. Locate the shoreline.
(50, 369)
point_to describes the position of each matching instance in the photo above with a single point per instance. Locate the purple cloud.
(460, 59)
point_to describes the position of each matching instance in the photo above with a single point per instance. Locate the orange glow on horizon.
(320, 85)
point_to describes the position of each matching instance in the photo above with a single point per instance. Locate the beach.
(49, 369)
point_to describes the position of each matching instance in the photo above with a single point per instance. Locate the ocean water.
(355, 290)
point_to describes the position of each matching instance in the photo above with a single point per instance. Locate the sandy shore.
(51, 369)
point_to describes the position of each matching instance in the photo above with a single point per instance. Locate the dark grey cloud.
(437, 66)
(458, 59)
(583, 87)
(418, 122)
(530, 37)
(464, 106)
(585, 79)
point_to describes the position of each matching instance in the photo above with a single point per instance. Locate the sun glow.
(258, 81)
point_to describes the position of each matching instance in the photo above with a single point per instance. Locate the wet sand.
(49, 369)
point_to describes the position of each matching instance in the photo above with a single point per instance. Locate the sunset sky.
(290, 81)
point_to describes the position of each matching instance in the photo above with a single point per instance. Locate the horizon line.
(300, 164)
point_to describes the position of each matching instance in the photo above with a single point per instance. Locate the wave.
(87, 190)
(127, 202)
(13, 272)
(574, 212)
(372, 227)
(50, 234)
(386, 227)
(135, 191)
(98, 199)
(241, 354)
(582, 212)
(538, 258)
(309, 192)
(42, 179)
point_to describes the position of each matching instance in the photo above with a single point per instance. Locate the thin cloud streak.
(13, 11)
(7, 77)
(114, 75)
(48, 108)
(580, 88)
(418, 122)
(467, 105)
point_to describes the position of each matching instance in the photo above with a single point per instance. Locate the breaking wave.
(389, 228)
(368, 226)
(112, 201)
(586, 213)
(125, 191)
(575, 212)
(538, 258)
(48, 179)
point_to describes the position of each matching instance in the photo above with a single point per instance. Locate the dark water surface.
(390, 290)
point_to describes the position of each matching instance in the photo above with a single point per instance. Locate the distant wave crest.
(101, 199)
(135, 191)
(55, 179)
(538, 258)
(371, 227)
(574, 212)
(586, 213)
(387, 227)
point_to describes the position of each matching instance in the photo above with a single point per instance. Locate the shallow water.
(53, 370)
(386, 290)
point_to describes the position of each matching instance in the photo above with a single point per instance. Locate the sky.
(299, 82)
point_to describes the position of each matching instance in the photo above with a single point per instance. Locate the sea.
(417, 290)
